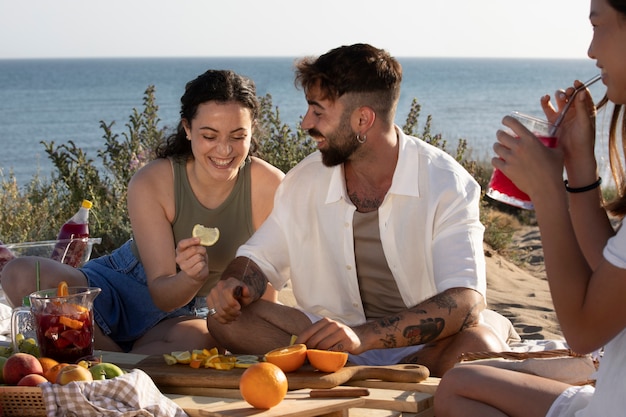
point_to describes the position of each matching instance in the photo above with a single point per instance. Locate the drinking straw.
(586, 84)
(37, 275)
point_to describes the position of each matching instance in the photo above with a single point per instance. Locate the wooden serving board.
(180, 375)
(295, 404)
(299, 403)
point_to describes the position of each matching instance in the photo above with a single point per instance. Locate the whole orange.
(263, 385)
(288, 358)
(52, 373)
(47, 363)
(327, 360)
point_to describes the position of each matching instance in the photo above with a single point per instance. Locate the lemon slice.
(208, 235)
(182, 356)
(169, 359)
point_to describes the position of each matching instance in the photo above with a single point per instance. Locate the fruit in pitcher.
(263, 385)
(72, 373)
(18, 366)
(288, 358)
(327, 360)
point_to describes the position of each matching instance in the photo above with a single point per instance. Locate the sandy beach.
(521, 293)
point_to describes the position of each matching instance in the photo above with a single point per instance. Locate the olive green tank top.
(233, 218)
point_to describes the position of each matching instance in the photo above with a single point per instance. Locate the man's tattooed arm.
(249, 273)
(427, 321)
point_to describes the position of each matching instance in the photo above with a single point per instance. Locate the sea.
(62, 100)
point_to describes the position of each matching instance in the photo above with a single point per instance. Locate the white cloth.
(130, 395)
(429, 227)
(609, 398)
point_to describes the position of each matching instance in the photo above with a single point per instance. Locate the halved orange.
(288, 358)
(327, 360)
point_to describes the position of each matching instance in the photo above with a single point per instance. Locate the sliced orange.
(263, 385)
(288, 358)
(195, 363)
(71, 323)
(222, 362)
(327, 360)
(62, 289)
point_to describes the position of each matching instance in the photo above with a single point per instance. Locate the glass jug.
(63, 324)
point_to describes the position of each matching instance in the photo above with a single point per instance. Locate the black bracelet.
(583, 189)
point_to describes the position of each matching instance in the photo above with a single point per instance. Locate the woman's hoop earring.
(361, 139)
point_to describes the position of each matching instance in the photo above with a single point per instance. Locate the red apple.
(31, 380)
(72, 373)
(18, 366)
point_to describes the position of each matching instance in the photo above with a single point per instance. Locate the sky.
(293, 28)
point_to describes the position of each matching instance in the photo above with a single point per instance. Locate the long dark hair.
(617, 206)
(214, 85)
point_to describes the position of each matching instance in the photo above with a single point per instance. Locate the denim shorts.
(124, 310)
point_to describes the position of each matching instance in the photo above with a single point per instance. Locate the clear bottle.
(72, 239)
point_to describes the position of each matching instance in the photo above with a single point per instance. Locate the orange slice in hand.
(62, 289)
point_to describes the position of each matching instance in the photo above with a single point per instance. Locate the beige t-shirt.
(378, 288)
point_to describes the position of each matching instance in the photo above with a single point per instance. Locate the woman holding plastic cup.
(585, 257)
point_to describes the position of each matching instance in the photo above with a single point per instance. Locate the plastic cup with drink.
(501, 188)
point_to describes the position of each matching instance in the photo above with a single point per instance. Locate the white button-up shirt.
(429, 228)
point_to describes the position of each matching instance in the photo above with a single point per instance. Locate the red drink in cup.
(501, 188)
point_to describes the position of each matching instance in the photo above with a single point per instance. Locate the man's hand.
(227, 298)
(328, 334)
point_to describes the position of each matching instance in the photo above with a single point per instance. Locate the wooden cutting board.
(180, 375)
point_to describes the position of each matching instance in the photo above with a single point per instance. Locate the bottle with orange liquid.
(72, 239)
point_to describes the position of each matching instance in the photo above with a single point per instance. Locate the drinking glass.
(500, 187)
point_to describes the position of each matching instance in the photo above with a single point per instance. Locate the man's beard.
(341, 144)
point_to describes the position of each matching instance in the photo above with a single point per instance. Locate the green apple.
(105, 370)
(2, 361)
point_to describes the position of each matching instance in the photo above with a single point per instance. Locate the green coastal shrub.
(37, 210)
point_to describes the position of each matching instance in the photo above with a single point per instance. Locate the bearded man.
(379, 233)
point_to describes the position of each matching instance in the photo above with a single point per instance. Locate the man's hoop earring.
(361, 139)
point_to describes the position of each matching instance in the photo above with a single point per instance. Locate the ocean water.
(65, 99)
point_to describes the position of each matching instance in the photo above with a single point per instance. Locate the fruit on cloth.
(288, 358)
(18, 366)
(31, 380)
(105, 370)
(263, 385)
(327, 360)
(72, 373)
(52, 373)
(208, 235)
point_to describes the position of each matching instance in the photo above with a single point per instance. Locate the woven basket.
(22, 401)
(521, 356)
(554, 353)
